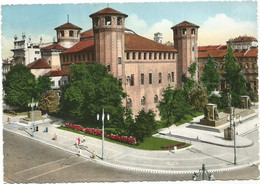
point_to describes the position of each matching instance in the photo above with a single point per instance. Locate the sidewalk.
(189, 160)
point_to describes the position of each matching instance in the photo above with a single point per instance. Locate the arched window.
(129, 103)
(119, 21)
(128, 80)
(143, 101)
(184, 31)
(155, 99)
(71, 33)
(62, 33)
(107, 20)
(193, 31)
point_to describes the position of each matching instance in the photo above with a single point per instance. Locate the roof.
(185, 24)
(38, 64)
(87, 34)
(108, 11)
(54, 46)
(244, 39)
(54, 73)
(135, 42)
(252, 53)
(82, 46)
(68, 26)
(212, 53)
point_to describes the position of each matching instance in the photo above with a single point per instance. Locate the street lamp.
(33, 104)
(103, 130)
(204, 172)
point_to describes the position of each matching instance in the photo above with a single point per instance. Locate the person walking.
(84, 138)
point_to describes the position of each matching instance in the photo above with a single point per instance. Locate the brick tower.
(185, 41)
(109, 28)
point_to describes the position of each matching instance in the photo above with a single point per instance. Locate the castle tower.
(185, 41)
(68, 35)
(158, 37)
(109, 28)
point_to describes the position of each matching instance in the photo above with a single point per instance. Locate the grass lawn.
(18, 114)
(150, 143)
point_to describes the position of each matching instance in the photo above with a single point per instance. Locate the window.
(155, 55)
(184, 31)
(127, 56)
(108, 68)
(132, 80)
(119, 21)
(133, 55)
(160, 78)
(142, 79)
(169, 78)
(192, 48)
(97, 21)
(143, 101)
(119, 60)
(107, 20)
(150, 56)
(59, 83)
(150, 78)
(37, 52)
(164, 56)
(172, 76)
(49, 62)
(71, 33)
(62, 33)
(35, 59)
(160, 56)
(193, 31)
(155, 99)
(169, 55)
(145, 56)
(139, 55)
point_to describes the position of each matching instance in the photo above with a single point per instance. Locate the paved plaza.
(207, 147)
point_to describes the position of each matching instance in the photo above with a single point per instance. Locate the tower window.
(172, 76)
(193, 31)
(71, 33)
(150, 78)
(107, 20)
(62, 33)
(142, 79)
(77, 33)
(132, 80)
(143, 101)
(119, 21)
(184, 31)
(119, 60)
(160, 78)
(97, 21)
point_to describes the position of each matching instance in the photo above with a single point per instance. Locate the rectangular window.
(71, 33)
(169, 55)
(37, 52)
(62, 33)
(142, 79)
(160, 56)
(127, 56)
(160, 78)
(172, 76)
(119, 60)
(150, 78)
(144, 56)
(150, 56)
(133, 55)
(139, 55)
(155, 55)
(132, 80)
(59, 83)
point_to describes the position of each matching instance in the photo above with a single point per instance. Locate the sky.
(218, 20)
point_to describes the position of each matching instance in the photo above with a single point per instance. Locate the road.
(27, 161)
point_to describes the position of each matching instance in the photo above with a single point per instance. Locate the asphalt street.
(28, 161)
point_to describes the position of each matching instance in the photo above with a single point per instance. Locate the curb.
(138, 169)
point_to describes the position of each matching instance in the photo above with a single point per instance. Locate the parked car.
(10, 112)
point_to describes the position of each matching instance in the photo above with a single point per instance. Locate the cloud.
(220, 28)
(140, 27)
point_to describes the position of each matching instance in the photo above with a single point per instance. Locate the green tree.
(188, 82)
(43, 84)
(20, 86)
(92, 89)
(128, 122)
(210, 76)
(198, 97)
(50, 101)
(234, 78)
(144, 125)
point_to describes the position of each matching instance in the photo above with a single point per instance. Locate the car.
(10, 112)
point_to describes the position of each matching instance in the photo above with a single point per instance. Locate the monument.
(211, 116)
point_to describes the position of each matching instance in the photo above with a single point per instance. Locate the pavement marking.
(23, 171)
(56, 170)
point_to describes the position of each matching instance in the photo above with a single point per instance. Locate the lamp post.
(33, 104)
(204, 172)
(103, 130)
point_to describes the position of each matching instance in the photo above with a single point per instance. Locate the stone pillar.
(228, 133)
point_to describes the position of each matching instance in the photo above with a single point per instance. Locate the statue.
(216, 114)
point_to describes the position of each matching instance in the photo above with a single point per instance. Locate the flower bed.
(98, 132)
(172, 147)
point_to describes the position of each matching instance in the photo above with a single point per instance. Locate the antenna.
(68, 18)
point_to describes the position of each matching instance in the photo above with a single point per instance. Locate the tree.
(144, 125)
(43, 84)
(92, 89)
(128, 122)
(210, 76)
(188, 82)
(174, 105)
(50, 102)
(20, 86)
(234, 78)
(253, 95)
(198, 97)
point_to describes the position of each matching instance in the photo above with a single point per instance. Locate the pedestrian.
(78, 141)
(8, 120)
(84, 138)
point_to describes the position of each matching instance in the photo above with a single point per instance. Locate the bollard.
(94, 155)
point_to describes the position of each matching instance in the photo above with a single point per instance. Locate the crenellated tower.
(186, 42)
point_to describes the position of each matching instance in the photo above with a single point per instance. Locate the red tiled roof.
(54, 46)
(244, 39)
(252, 53)
(135, 42)
(185, 24)
(38, 64)
(108, 11)
(223, 47)
(82, 46)
(68, 26)
(54, 73)
(87, 34)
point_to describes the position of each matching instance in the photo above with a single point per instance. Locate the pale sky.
(218, 21)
